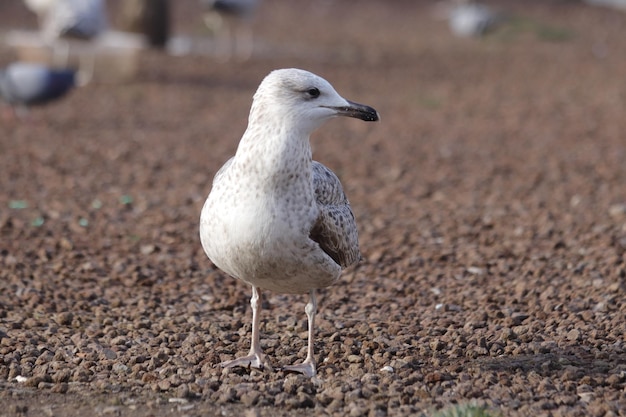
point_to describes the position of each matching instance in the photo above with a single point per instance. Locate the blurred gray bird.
(64, 20)
(231, 20)
(275, 218)
(614, 4)
(25, 84)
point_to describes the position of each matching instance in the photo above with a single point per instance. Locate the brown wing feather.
(335, 228)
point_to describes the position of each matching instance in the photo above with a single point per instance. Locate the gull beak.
(358, 111)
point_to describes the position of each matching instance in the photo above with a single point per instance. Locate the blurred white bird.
(25, 84)
(231, 20)
(467, 19)
(61, 20)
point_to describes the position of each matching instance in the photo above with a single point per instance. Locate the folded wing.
(335, 228)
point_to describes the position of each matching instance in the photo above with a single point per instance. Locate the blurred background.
(490, 198)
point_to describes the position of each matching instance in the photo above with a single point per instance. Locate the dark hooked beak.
(358, 111)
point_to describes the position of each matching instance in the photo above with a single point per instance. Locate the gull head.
(304, 100)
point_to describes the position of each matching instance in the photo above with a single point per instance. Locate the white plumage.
(469, 19)
(275, 218)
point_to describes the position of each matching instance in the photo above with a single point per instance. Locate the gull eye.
(313, 92)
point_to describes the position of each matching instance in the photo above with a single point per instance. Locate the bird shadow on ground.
(577, 359)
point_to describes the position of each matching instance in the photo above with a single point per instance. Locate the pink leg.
(308, 366)
(255, 357)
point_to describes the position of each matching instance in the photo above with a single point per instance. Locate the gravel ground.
(491, 203)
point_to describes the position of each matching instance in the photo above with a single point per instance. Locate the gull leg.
(255, 357)
(86, 68)
(60, 53)
(308, 366)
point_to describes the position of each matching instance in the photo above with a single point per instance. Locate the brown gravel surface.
(491, 202)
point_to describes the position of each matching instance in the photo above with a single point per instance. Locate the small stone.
(64, 319)
(62, 375)
(182, 391)
(34, 381)
(178, 400)
(147, 249)
(437, 345)
(518, 318)
(252, 412)
(617, 210)
(334, 393)
(435, 377)
(573, 335)
(614, 379)
(119, 368)
(474, 270)
(355, 359)
(164, 385)
(508, 334)
(112, 409)
(250, 398)
(60, 388)
(109, 354)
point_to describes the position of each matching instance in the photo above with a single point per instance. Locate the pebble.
(573, 335)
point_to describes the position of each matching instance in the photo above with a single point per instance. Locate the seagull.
(466, 18)
(236, 17)
(61, 20)
(82, 19)
(25, 84)
(615, 4)
(470, 19)
(275, 218)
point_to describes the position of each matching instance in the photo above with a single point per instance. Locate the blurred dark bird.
(63, 20)
(24, 84)
(232, 7)
(231, 20)
(148, 17)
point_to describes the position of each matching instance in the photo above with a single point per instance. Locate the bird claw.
(306, 368)
(253, 360)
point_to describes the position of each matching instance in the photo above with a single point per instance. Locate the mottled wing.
(335, 228)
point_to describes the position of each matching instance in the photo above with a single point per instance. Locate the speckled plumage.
(335, 228)
(275, 218)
